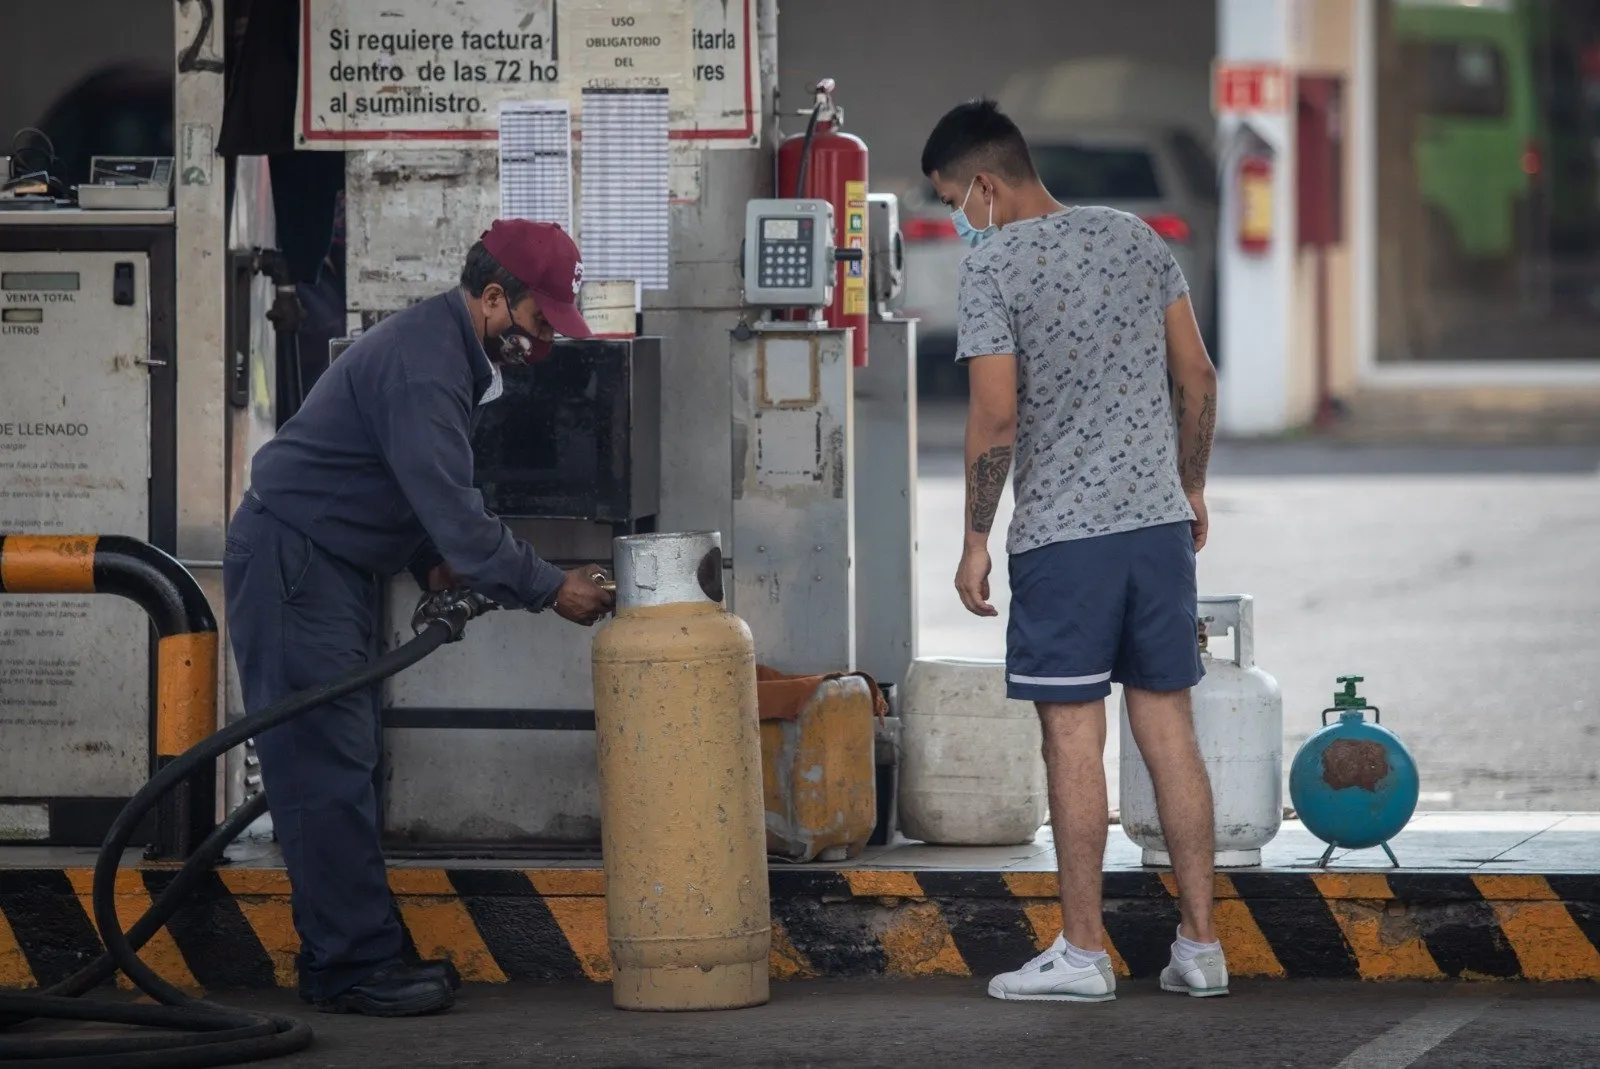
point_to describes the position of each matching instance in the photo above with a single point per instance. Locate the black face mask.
(518, 347)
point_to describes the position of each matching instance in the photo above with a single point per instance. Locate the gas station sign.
(1249, 88)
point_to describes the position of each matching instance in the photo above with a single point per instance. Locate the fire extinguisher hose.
(213, 1034)
(805, 152)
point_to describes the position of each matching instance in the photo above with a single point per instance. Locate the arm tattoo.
(986, 479)
(1197, 448)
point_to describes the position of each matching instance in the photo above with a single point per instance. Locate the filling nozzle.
(454, 607)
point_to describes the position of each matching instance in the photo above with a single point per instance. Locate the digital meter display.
(125, 171)
(36, 281)
(22, 315)
(780, 230)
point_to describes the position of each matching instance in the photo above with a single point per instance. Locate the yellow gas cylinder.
(682, 827)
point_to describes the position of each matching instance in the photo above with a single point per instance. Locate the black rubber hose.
(161, 910)
(805, 154)
(216, 1035)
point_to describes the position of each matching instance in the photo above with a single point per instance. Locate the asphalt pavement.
(936, 1023)
(1462, 582)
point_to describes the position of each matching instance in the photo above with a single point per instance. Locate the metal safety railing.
(186, 652)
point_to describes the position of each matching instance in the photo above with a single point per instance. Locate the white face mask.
(964, 229)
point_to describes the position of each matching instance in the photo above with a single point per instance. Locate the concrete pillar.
(201, 230)
(1256, 291)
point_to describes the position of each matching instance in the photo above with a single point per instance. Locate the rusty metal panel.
(410, 217)
(793, 498)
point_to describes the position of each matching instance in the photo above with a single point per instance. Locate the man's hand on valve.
(443, 577)
(581, 598)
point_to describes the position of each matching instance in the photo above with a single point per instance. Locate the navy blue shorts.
(1089, 612)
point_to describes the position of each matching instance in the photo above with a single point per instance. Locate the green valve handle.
(1348, 698)
(1348, 701)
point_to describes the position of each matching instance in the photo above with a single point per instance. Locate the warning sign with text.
(630, 44)
(427, 73)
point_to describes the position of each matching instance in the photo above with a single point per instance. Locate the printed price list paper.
(625, 159)
(536, 161)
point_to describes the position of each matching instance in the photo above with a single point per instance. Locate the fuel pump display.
(786, 258)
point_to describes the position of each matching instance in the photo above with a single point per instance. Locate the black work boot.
(444, 969)
(394, 991)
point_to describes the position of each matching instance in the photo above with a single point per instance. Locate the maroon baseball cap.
(543, 257)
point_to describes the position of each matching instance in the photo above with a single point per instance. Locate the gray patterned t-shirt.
(1080, 296)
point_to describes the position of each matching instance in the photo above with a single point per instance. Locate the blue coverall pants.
(298, 618)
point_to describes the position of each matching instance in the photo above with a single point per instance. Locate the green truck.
(1503, 155)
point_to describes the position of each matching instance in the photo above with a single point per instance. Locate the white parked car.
(1162, 174)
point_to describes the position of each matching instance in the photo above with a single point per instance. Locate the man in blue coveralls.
(372, 475)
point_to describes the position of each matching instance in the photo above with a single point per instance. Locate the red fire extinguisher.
(831, 165)
(1255, 208)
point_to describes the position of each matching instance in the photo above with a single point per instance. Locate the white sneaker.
(1048, 978)
(1203, 976)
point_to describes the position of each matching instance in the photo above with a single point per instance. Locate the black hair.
(976, 136)
(482, 269)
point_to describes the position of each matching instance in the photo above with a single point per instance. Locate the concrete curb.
(504, 924)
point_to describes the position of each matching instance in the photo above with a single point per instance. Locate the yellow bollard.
(682, 824)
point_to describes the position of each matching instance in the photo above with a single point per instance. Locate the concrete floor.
(1487, 842)
(1463, 583)
(1484, 841)
(866, 1024)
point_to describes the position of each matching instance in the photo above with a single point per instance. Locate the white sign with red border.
(1249, 88)
(433, 73)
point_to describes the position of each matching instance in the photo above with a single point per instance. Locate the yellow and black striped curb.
(501, 924)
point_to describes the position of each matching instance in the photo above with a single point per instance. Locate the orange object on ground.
(818, 773)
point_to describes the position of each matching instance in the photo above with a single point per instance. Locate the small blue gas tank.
(1353, 784)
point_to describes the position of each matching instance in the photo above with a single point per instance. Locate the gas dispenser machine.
(87, 443)
(824, 436)
(794, 443)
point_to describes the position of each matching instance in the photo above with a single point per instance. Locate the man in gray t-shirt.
(1095, 442)
(1072, 322)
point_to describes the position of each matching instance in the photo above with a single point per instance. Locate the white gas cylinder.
(971, 765)
(1238, 720)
